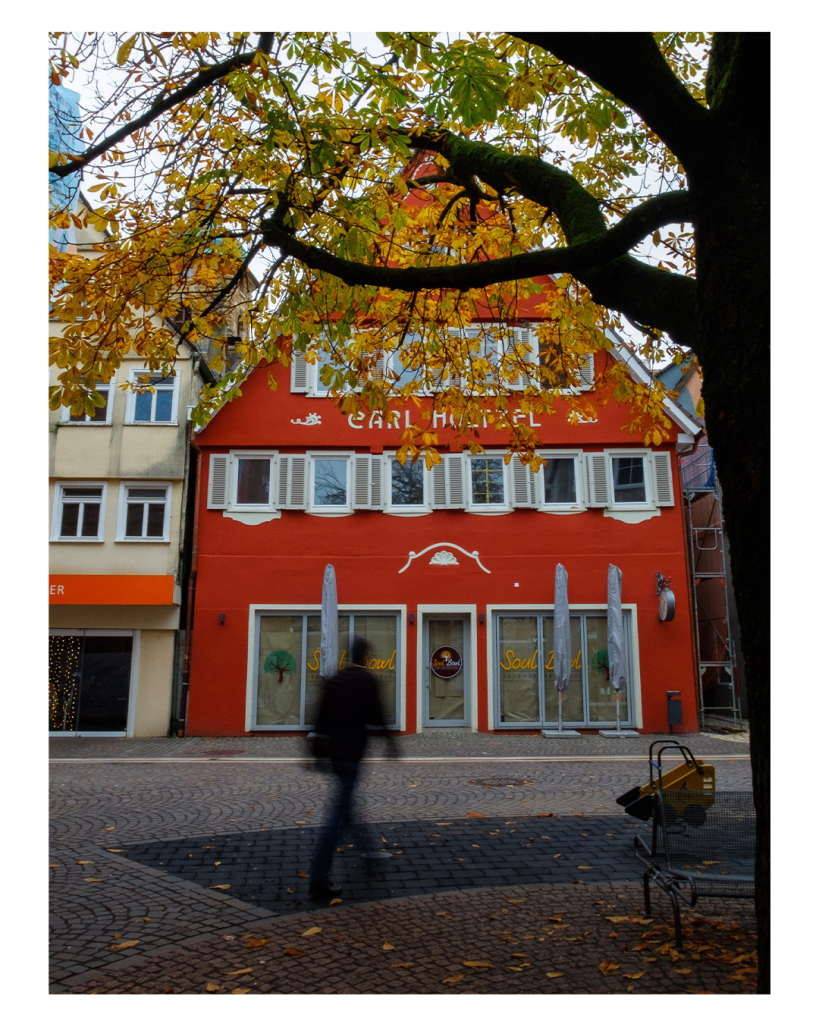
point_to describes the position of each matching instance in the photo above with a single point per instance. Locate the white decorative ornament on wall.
(313, 419)
(444, 557)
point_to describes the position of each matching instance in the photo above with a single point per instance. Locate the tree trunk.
(733, 276)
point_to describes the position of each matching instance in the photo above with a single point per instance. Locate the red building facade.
(449, 572)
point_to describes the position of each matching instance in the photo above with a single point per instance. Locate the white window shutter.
(218, 481)
(527, 337)
(361, 481)
(585, 366)
(377, 466)
(597, 485)
(663, 481)
(455, 484)
(292, 481)
(298, 373)
(523, 485)
(439, 488)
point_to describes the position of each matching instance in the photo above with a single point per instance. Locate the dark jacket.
(350, 711)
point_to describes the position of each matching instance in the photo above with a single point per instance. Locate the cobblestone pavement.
(509, 854)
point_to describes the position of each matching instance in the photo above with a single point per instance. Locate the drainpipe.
(186, 659)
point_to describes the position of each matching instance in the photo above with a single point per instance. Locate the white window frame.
(329, 510)
(405, 510)
(256, 456)
(57, 515)
(122, 510)
(65, 411)
(576, 455)
(627, 506)
(473, 506)
(130, 407)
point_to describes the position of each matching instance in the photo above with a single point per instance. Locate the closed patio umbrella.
(562, 647)
(616, 644)
(328, 647)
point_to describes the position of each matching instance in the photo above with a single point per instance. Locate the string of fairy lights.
(63, 678)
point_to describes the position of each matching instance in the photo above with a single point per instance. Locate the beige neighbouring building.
(119, 489)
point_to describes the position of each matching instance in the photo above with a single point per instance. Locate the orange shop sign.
(111, 590)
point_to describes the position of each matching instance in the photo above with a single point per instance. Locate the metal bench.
(702, 844)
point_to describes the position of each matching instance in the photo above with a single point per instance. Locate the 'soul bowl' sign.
(446, 662)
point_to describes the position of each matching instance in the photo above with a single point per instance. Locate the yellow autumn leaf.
(557, 917)
(634, 977)
(240, 991)
(293, 952)
(219, 886)
(210, 987)
(303, 874)
(476, 963)
(554, 974)
(311, 931)
(85, 862)
(387, 946)
(583, 867)
(408, 964)
(453, 980)
(125, 945)
(608, 966)
(115, 851)
(475, 814)
(334, 901)
(256, 942)
(244, 970)
(92, 879)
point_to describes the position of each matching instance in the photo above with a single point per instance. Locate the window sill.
(76, 540)
(142, 540)
(151, 423)
(334, 515)
(631, 515)
(562, 511)
(254, 518)
(75, 423)
(408, 512)
(489, 511)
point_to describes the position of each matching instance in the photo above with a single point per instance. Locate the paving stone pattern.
(122, 829)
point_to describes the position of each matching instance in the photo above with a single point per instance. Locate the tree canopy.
(382, 201)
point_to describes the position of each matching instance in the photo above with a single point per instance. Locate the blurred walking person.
(350, 713)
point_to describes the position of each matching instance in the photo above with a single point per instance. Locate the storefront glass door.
(446, 669)
(89, 683)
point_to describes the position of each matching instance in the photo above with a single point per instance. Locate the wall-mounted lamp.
(412, 619)
(222, 619)
(480, 618)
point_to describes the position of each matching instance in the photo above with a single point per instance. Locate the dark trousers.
(338, 819)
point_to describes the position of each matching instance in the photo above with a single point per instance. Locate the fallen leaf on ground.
(210, 987)
(549, 815)
(554, 974)
(334, 901)
(311, 931)
(240, 991)
(256, 942)
(219, 886)
(85, 862)
(408, 964)
(634, 977)
(125, 945)
(146, 919)
(556, 856)
(608, 966)
(444, 822)
(115, 851)
(92, 879)
(475, 814)
(583, 867)
(293, 952)
(457, 858)
(216, 863)
(576, 938)
(524, 955)
(303, 874)
(244, 970)
(453, 980)
(109, 828)
(557, 917)
(516, 901)
(476, 963)
(387, 946)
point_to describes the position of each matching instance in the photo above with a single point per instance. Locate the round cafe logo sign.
(446, 662)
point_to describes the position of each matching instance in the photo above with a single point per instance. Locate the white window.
(79, 511)
(560, 481)
(487, 483)
(319, 378)
(144, 512)
(330, 483)
(629, 479)
(407, 486)
(252, 481)
(157, 403)
(100, 415)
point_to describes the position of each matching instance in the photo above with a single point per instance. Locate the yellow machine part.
(683, 777)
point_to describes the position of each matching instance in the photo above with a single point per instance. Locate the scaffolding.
(716, 654)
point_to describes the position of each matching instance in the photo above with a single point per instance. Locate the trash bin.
(674, 706)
